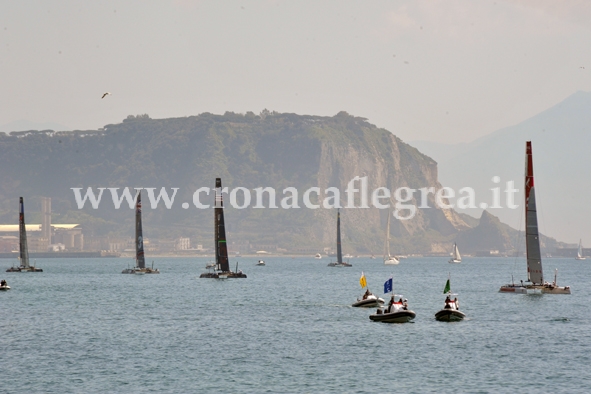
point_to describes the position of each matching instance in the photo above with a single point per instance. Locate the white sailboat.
(580, 252)
(388, 259)
(535, 275)
(455, 254)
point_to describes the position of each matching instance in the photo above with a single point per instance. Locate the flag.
(388, 286)
(447, 287)
(362, 280)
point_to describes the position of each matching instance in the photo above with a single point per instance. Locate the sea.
(83, 327)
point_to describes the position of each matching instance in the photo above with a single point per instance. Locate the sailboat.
(396, 311)
(535, 275)
(451, 309)
(339, 262)
(222, 263)
(140, 260)
(455, 255)
(368, 299)
(389, 260)
(580, 251)
(24, 265)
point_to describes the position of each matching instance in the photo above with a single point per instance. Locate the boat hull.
(391, 262)
(555, 289)
(222, 275)
(449, 315)
(24, 269)
(513, 289)
(140, 271)
(368, 303)
(340, 265)
(535, 289)
(454, 261)
(401, 316)
(4, 288)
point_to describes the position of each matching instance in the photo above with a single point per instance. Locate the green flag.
(447, 287)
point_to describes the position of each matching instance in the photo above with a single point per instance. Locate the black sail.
(221, 248)
(140, 260)
(22, 232)
(339, 252)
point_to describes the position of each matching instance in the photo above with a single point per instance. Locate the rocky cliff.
(249, 151)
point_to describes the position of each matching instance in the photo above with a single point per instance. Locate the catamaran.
(140, 260)
(222, 263)
(535, 275)
(396, 311)
(388, 259)
(339, 262)
(24, 265)
(451, 309)
(580, 251)
(455, 255)
(368, 299)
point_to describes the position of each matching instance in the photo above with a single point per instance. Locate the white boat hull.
(454, 261)
(370, 302)
(391, 261)
(513, 289)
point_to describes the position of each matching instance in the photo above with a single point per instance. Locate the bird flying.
(105, 94)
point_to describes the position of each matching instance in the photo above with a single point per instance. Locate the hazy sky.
(447, 71)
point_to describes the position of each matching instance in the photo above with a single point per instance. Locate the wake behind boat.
(535, 275)
(24, 265)
(339, 262)
(451, 309)
(222, 263)
(368, 300)
(140, 260)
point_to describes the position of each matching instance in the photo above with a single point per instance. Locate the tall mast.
(22, 232)
(339, 251)
(388, 237)
(140, 260)
(221, 248)
(532, 239)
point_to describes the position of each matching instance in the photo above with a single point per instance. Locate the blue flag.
(388, 286)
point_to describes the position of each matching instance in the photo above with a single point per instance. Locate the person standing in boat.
(367, 294)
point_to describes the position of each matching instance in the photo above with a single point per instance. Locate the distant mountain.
(249, 151)
(561, 141)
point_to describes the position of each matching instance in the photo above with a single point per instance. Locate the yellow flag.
(362, 281)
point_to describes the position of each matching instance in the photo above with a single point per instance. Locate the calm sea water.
(83, 327)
